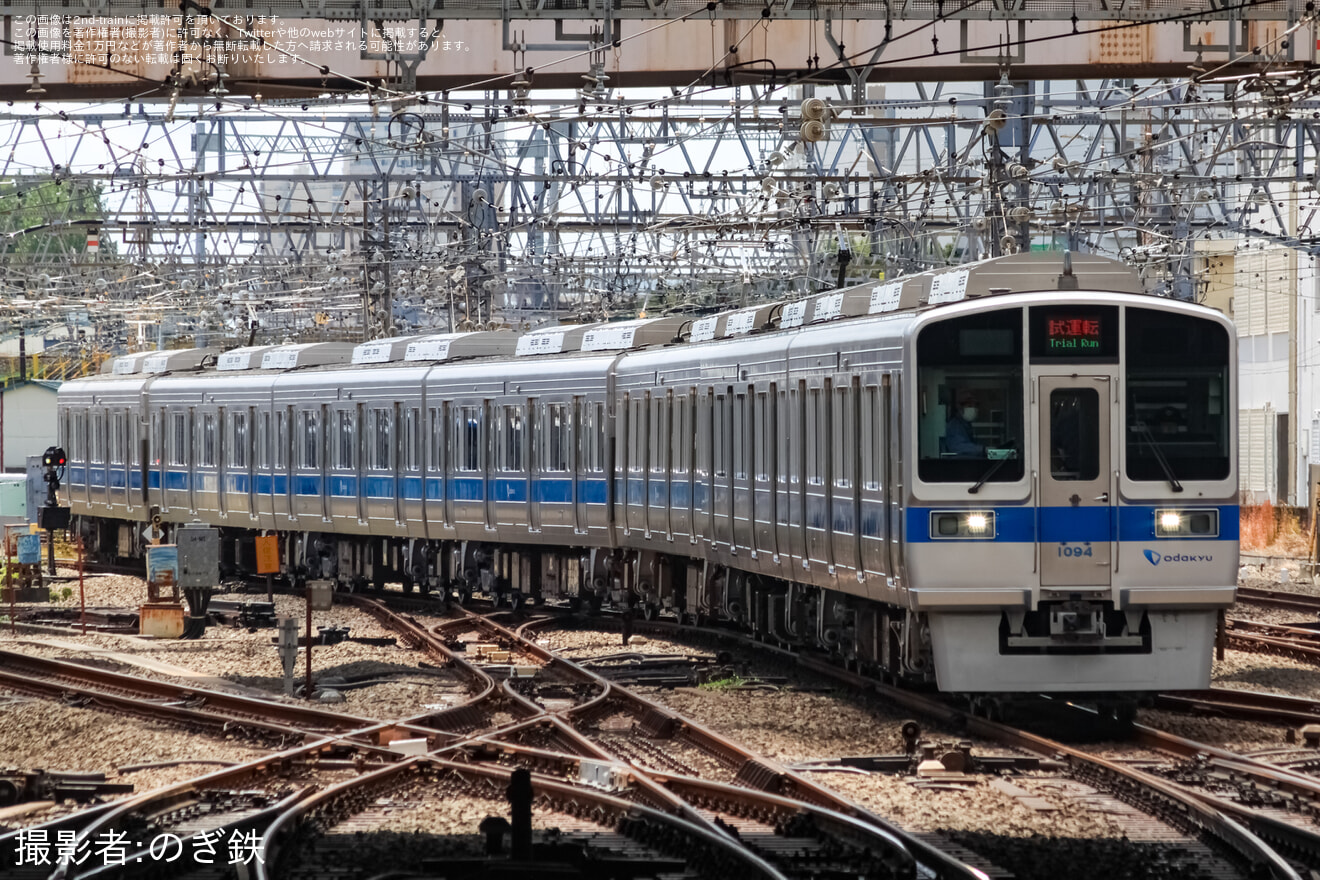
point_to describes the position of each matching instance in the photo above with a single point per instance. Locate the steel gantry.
(298, 218)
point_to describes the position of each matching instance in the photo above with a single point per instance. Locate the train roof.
(1019, 273)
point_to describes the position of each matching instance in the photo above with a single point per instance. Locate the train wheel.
(650, 611)
(407, 584)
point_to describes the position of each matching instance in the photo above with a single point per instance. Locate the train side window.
(815, 433)
(117, 438)
(238, 445)
(281, 439)
(310, 423)
(207, 438)
(763, 431)
(740, 427)
(412, 439)
(157, 438)
(844, 439)
(380, 439)
(593, 437)
(872, 443)
(636, 434)
(510, 428)
(468, 426)
(659, 441)
(262, 455)
(179, 438)
(98, 430)
(719, 435)
(134, 439)
(435, 451)
(556, 437)
(345, 439)
(680, 433)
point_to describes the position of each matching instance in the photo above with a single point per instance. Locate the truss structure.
(367, 219)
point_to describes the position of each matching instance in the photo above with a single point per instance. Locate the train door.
(119, 460)
(870, 490)
(845, 531)
(284, 461)
(263, 475)
(154, 458)
(892, 404)
(192, 457)
(488, 443)
(742, 508)
(222, 469)
(819, 489)
(657, 488)
(632, 444)
(1076, 525)
(683, 441)
(533, 460)
(763, 471)
(721, 502)
(245, 443)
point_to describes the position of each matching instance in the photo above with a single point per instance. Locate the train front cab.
(1087, 545)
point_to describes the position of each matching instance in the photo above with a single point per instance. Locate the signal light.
(54, 457)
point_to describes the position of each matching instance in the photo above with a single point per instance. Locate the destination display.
(1073, 333)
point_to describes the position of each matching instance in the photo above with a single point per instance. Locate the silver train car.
(1018, 475)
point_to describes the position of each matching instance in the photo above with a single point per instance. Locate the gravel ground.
(249, 660)
(577, 645)
(36, 733)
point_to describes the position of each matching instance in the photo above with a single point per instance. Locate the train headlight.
(1187, 523)
(950, 525)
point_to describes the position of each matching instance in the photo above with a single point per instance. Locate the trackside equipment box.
(199, 555)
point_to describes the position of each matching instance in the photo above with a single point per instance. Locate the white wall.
(29, 424)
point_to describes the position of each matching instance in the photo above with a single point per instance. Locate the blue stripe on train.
(546, 490)
(1072, 524)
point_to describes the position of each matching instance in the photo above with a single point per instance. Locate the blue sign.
(162, 569)
(29, 549)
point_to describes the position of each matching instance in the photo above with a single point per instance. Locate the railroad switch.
(21, 786)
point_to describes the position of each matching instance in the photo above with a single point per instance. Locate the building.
(27, 421)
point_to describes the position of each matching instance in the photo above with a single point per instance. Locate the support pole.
(308, 596)
(9, 582)
(82, 591)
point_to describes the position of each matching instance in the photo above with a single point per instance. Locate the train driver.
(959, 441)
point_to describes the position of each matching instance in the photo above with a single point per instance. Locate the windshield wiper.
(1150, 441)
(994, 469)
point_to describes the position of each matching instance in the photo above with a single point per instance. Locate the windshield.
(1177, 397)
(969, 398)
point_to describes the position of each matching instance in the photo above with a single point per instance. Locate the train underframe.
(858, 633)
(862, 634)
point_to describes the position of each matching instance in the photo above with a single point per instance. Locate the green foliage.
(35, 217)
(733, 682)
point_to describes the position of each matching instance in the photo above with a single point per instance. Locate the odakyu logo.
(1154, 557)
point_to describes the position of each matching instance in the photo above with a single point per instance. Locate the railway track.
(796, 823)
(206, 709)
(1296, 643)
(1246, 705)
(1279, 599)
(575, 726)
(200, 827)
(345, 830)
(1160, 798)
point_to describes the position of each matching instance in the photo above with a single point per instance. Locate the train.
(1013, 476)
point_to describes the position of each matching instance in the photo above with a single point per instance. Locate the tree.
(44, 220)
